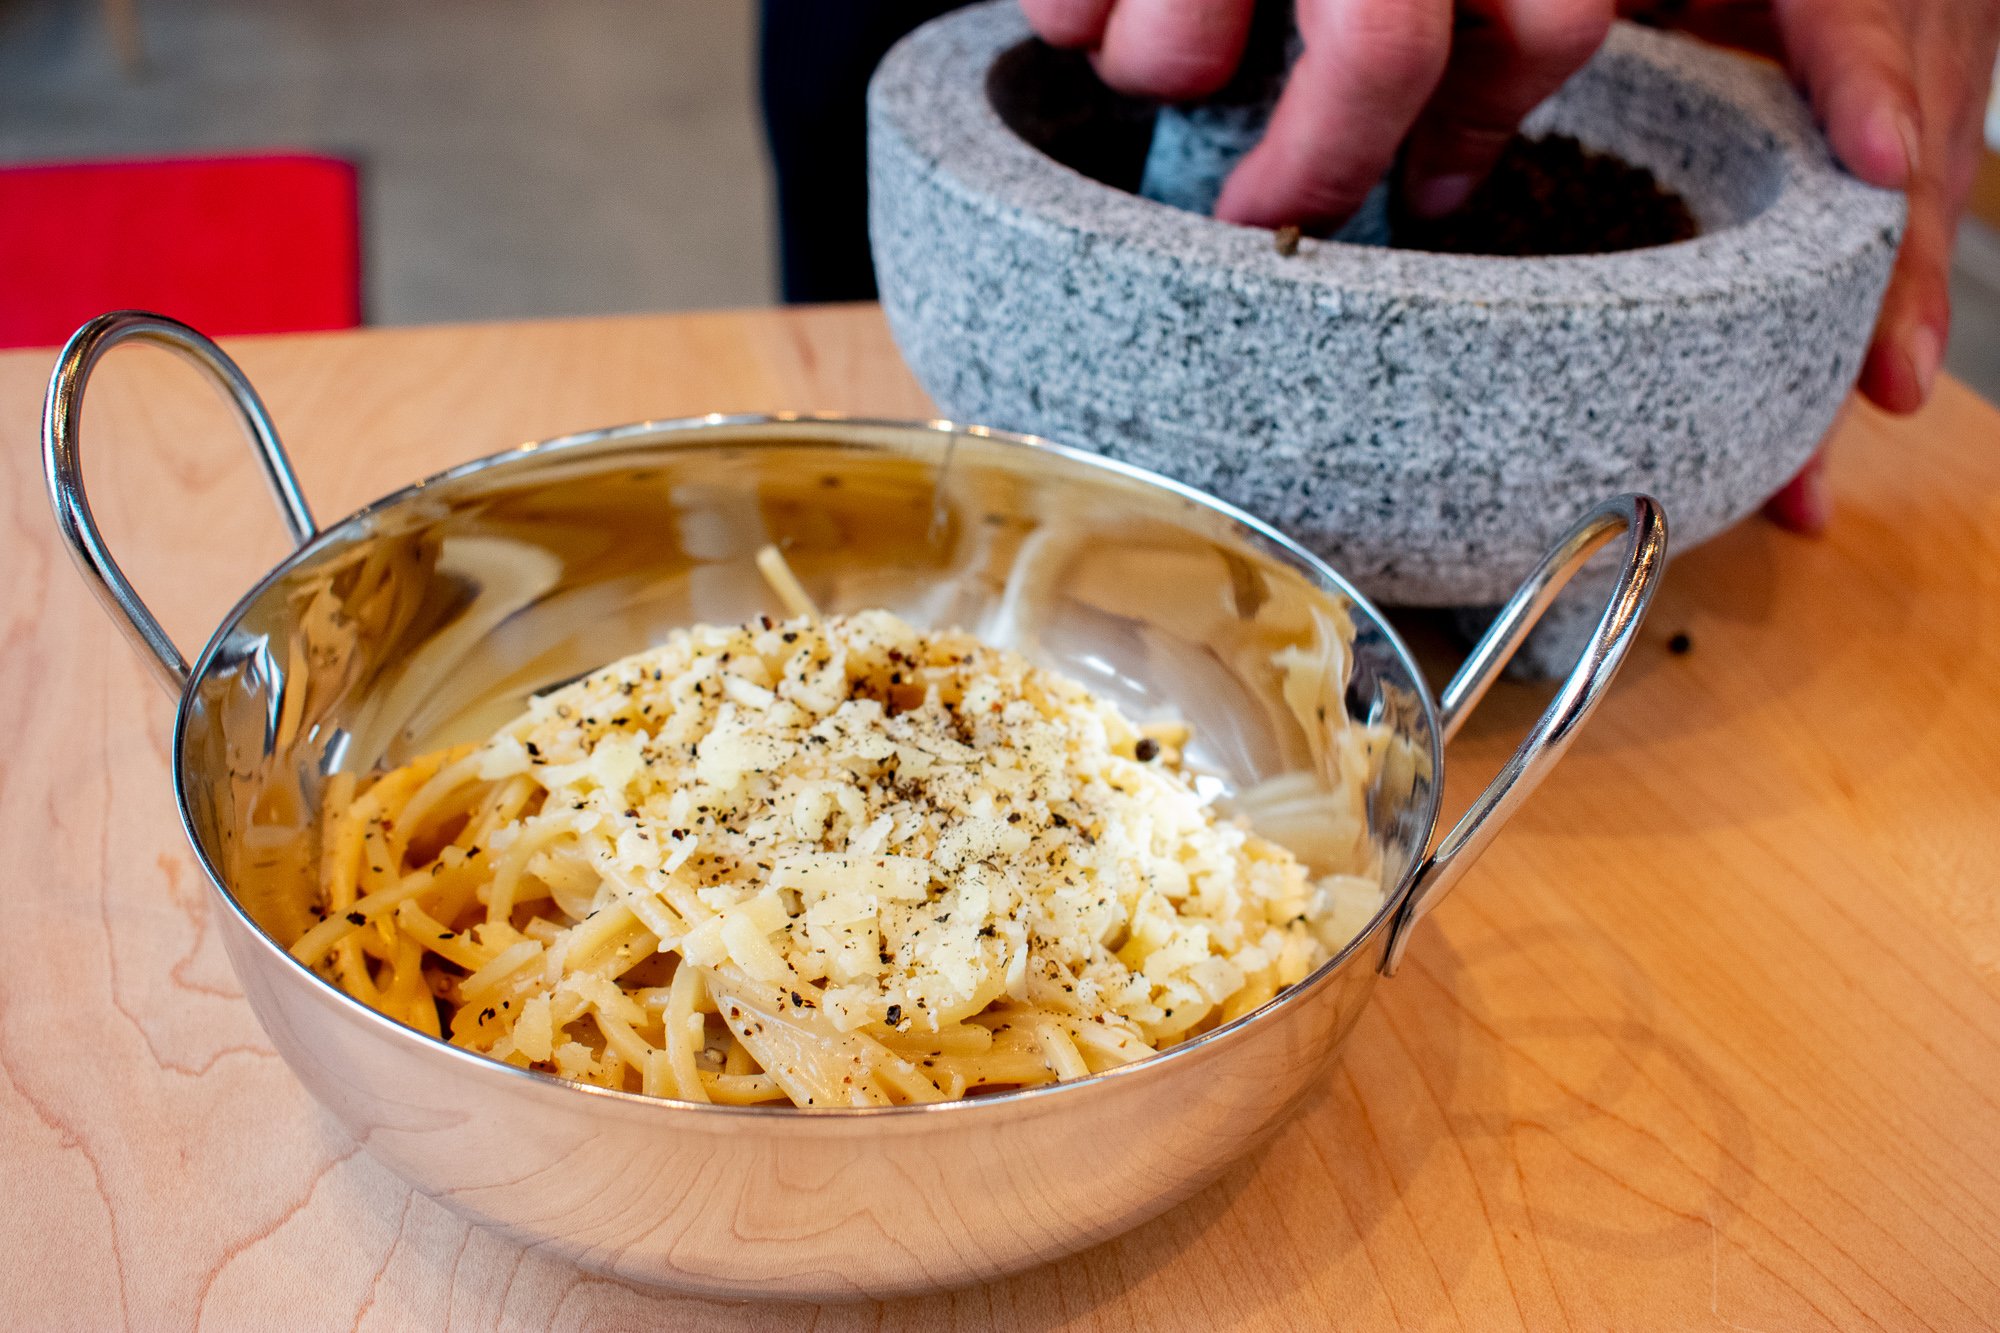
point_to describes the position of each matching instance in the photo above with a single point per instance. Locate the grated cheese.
(916, 825)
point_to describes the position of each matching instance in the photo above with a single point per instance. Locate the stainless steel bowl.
(426, 617)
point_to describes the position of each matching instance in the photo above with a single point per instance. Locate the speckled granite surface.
(1426, 422)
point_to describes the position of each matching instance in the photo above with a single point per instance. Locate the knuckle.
(1183, 73)
(1564, 33)
(1396, 45)
(1176, 49)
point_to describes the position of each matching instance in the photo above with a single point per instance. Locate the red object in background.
(264, 244)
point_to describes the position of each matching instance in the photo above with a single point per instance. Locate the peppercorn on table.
(1710, 1038)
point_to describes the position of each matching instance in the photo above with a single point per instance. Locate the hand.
(1899, 87)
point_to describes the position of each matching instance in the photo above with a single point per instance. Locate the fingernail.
(1815, 498)
(1906, 130)
(1892, 143)
(1435, 196)
(1926, 351)
(1806, 503)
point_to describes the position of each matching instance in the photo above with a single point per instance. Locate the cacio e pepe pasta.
(836, 861)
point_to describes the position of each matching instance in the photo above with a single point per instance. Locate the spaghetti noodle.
(833, 861)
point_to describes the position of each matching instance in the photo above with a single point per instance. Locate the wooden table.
(1710, 1038)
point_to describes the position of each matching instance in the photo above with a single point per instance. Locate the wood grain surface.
(1709, 1039)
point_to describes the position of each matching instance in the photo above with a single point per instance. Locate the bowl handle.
(63, 467)
(1639, 516)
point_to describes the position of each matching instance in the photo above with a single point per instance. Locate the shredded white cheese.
(918, 826)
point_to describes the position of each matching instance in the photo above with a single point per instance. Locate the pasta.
(834, 861)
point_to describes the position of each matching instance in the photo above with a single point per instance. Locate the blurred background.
(502, 159)
(515, 158)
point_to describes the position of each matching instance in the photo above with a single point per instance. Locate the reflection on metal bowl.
(426, 617)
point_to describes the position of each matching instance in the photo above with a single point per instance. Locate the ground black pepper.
(1553, 196)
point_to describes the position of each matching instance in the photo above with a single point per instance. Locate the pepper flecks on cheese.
(921, 824)
(838, 861)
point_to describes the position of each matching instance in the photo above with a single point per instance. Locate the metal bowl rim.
(611, 439)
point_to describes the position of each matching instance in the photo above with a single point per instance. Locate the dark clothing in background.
(814, 61)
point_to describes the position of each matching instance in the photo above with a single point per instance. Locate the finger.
(1366, 71)
(1175, 50)
(1078, 24)
(1507, 56)
(1854, 58)
(1806, 503)
(1910, 330)
(1954, 62)
(1952, 58)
